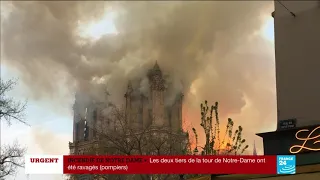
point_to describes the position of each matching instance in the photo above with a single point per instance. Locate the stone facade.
(141, 111)
(150, 110)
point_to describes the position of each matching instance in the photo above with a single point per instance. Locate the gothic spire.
(155, 70)
(155, 78)
(129, 89)
(254, 149)
(156, 67)
(130, 86)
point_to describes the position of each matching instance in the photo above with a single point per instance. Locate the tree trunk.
(213, 176)
(181, 177)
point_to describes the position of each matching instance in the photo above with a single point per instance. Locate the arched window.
(77, 131)
(95, 115)
(86, 130)
(95, 120)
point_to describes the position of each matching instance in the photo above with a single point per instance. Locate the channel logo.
(286, 164)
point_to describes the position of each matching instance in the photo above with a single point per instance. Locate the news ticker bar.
(53, 164)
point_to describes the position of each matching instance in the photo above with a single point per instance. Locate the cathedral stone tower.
(175, 113)
(156, 96)
(150, 110)
(133, 109)
(87, 116)
(142, 110)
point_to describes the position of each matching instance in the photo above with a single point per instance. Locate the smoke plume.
(208, 50)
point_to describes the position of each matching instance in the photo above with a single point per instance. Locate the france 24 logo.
(286, 164)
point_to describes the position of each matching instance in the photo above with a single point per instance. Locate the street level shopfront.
(304, 142)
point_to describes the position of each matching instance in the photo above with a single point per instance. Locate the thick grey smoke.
(207, 49)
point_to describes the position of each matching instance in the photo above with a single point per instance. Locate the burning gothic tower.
(151, 110)
(142, 110)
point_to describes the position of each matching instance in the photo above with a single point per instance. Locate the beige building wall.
(297, 50)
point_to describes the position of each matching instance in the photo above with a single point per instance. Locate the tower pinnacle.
(129, 89)
(130, 86)
(254, 149)
(156, 66)
(155, 78)
(155, 71)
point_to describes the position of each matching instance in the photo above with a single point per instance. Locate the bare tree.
(9, 108)
(232, 141)
(118, 136)
(11, 156)
(11, 159)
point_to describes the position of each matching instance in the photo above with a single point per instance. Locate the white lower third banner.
(44, 164)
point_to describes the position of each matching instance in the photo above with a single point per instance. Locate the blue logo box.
(286, 164)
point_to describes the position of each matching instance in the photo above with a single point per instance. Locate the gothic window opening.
(95, 119)
(86, 131)
(77, 130)
(95, 115)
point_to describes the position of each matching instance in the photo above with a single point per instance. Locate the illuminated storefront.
(303, 142)
(309, 141)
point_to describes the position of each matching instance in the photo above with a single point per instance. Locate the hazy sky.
(219, 51)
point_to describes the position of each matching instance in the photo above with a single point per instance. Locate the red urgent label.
(44, 160)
